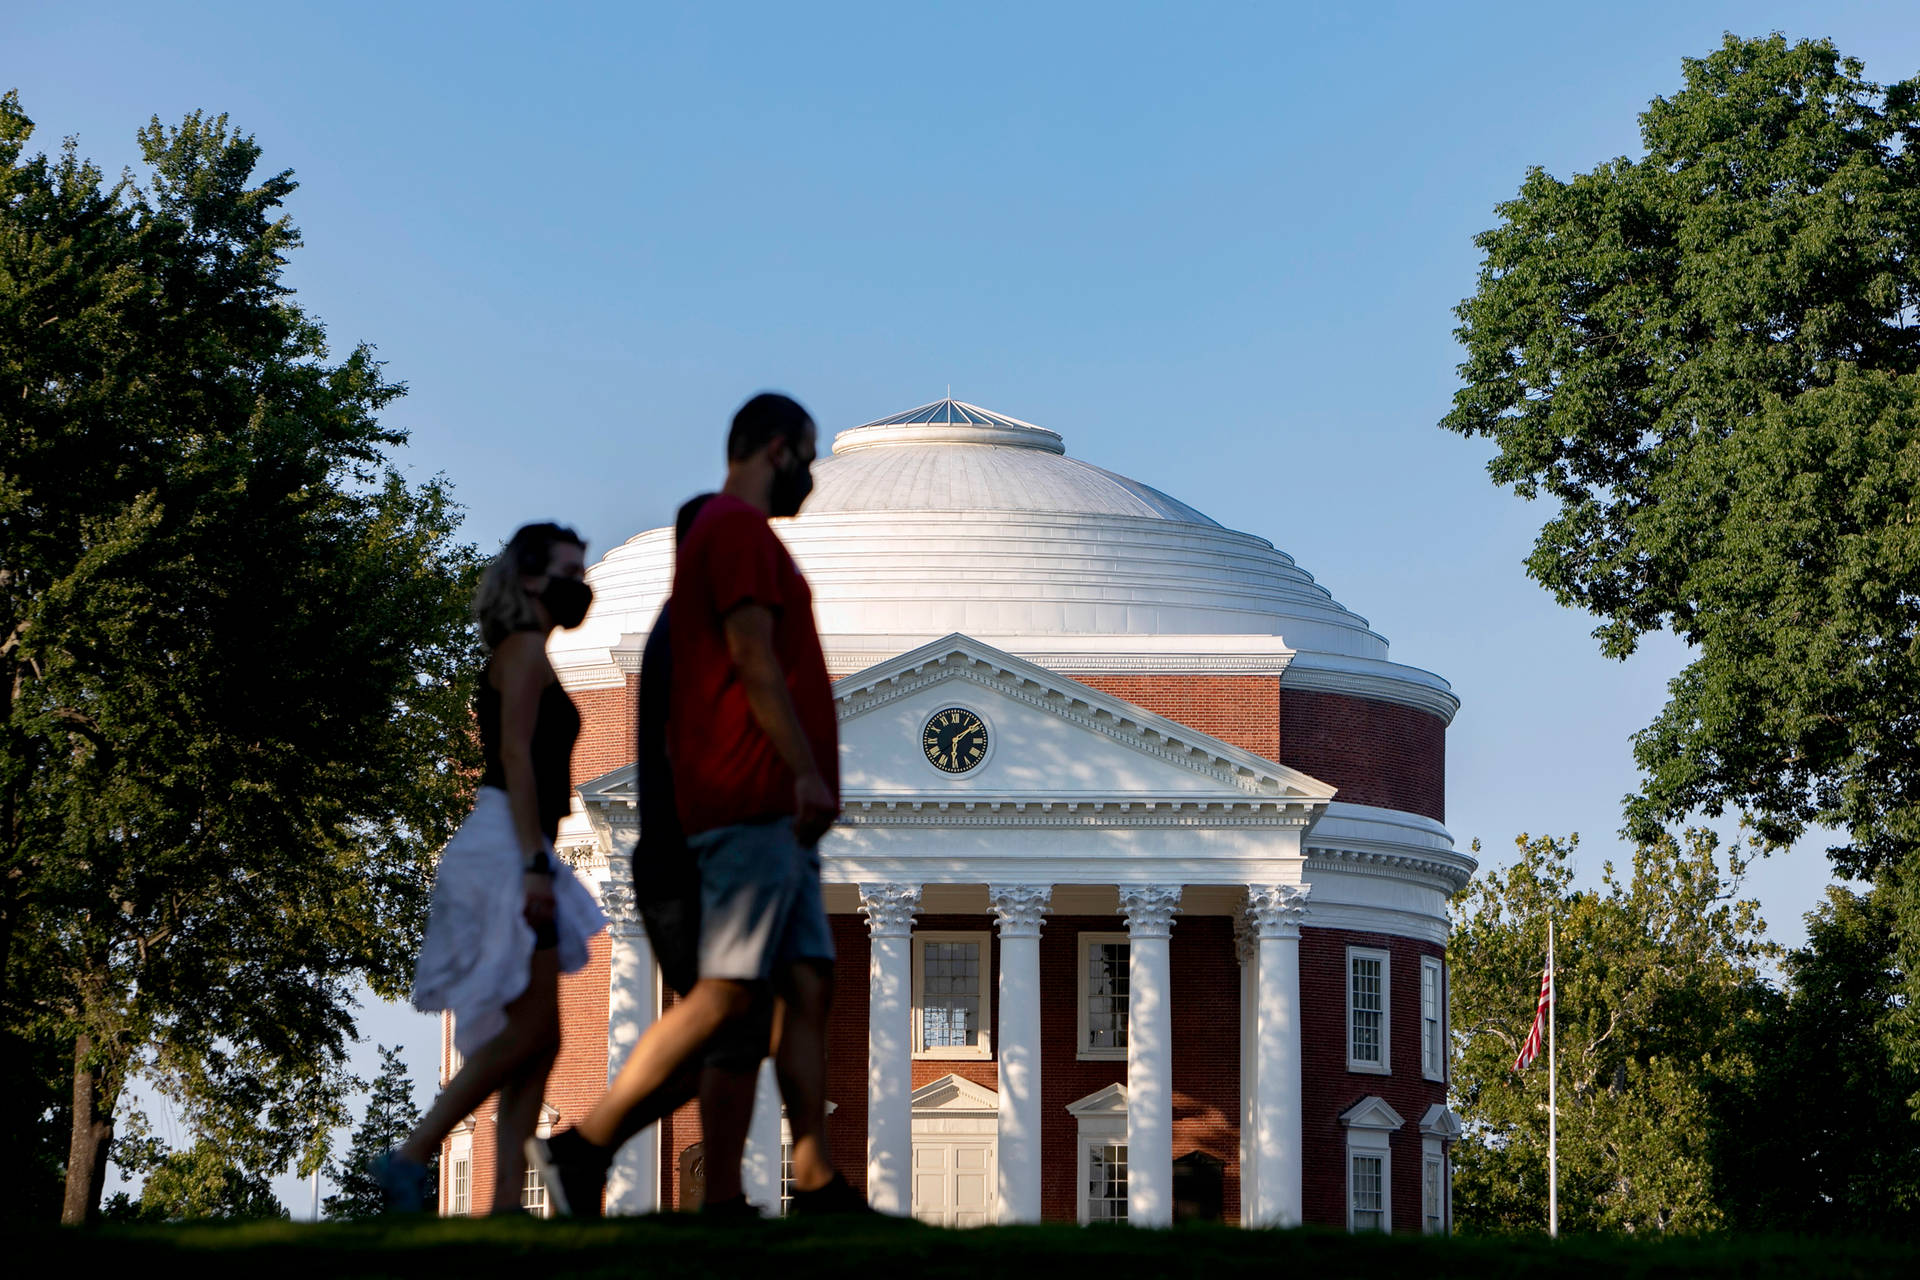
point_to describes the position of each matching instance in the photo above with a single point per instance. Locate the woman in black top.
(507, 916)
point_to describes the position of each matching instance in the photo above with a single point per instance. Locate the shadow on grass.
(685, 1248)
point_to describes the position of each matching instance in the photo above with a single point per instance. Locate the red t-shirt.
(725, 767)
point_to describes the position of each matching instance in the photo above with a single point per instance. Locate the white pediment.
(1052, 742)
(1439, 1122)
(955, 1095)
(1110, 1101)
(1371, 1112)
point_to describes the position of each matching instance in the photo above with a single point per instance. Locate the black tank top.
(555, 726)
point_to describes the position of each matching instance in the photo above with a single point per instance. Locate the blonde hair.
(500, 604)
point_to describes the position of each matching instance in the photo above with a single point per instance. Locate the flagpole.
(1553, 1100)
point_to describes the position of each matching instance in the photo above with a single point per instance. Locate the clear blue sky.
(1215, 246)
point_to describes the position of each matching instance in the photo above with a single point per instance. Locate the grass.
(686, 1249)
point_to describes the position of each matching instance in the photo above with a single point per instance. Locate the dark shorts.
(760, 904)
(673, 928)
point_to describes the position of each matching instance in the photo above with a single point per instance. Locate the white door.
(953, 1181)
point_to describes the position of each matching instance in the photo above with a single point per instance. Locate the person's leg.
(727, 1084)
(532, 1030)
(807, 988)
(666, 1047)
(519, 1116)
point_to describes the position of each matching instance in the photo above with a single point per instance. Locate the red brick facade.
(1376, 753)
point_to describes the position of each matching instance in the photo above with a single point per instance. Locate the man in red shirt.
(753, 740)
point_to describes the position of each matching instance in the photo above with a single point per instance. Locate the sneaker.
(403, 1183)
(574, 1170)
(835, 1197)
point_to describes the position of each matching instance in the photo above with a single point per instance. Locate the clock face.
(955, 740)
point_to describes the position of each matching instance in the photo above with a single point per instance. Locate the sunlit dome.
(953, 518)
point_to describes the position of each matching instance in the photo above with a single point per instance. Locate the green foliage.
(1659, 991)
(1709, 358)
(1821, 1137)
(235, 662)
(389, 1118)
(201, 1182)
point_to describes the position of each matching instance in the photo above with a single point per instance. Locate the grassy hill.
(686, 1249)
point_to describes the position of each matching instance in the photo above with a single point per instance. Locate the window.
(952, 1004)
(1371, 1124)
(533, 1194)
(786, 1173)
(454, 1059)
(1432, 1200)
(1367, 1194)
(1107, 1182)
(458, 1198)
(1101, 1165)
(1367, 1004)
(1103, 995)
(1433, 1020)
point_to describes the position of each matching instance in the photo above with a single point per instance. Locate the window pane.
(533, 1194)
(1367, 999)
(1107, 1182)
(1430, 1193)
(1368, 1202)
(950, 986)
(459, 1190)
(1107, 995)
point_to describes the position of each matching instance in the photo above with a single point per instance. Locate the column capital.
(1275, 910)
(621, 906)
(1149, 908)
(1020, 908)
(889, 908)
(1246, 943)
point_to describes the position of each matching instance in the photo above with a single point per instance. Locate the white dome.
(953, 518)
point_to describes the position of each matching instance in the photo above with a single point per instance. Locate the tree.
(1821, 1137)
(389, 1118)
(1709, 358)
(201, 1182)
(1659, 989)
(235, 663)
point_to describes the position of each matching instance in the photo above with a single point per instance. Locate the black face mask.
(567, 600)
(791, 485)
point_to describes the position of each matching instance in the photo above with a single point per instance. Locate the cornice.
(1373, 680)
(1446, 873)
(1077, 813)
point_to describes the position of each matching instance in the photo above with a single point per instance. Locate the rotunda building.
(1140, 889)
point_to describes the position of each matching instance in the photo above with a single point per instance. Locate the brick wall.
(607, 718)
(1242, 710)
(1377, 753)
(1328, 1088)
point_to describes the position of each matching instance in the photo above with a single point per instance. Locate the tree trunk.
(92, 1137)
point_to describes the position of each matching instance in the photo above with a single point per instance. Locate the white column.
(1247, 949)
(1020, 909)
(633, 1183)
(1149, 910)
(760, 1161)
(1275, 912)
(889, 909)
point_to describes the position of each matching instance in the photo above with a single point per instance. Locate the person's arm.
(520, 668)
(750, 647)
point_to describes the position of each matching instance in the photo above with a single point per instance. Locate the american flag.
(1531, 1049)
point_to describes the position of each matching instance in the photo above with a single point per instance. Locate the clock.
(955, 740)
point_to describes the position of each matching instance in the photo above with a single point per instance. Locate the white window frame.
(1439, 1128)
(1384, 1067)
(454, 1060)
(459, 1166)
(1433, 1024)
(1370, 1124)
(982, 1050)
(1083, 1020)
(1103, 1122)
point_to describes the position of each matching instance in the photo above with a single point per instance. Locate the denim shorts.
(760, 905)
